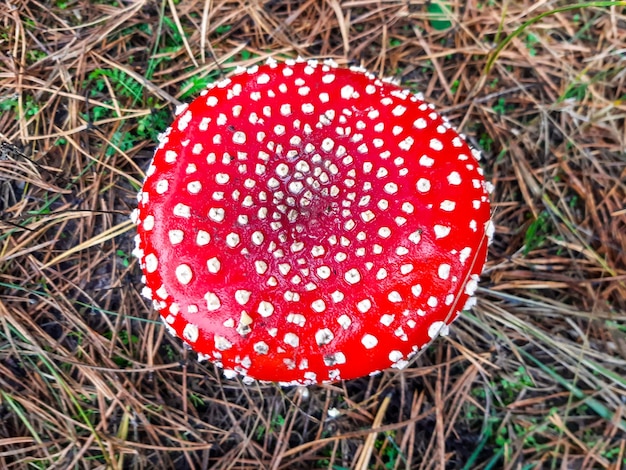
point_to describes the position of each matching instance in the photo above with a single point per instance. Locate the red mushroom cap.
(304, 223)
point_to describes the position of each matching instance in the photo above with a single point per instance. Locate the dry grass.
(534, 378)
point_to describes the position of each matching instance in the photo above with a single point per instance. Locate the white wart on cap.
(304, 223)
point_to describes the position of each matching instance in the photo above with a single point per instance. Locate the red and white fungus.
(305, 223)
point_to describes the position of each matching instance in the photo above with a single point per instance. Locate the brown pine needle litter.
(533, 378)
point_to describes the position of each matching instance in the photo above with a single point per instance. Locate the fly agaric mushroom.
(305, 223)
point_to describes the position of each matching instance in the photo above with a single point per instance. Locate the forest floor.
(534, 377)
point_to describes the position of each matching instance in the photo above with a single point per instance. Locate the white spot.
(420, 123)
(151, 263)
(406, 269)
(367, 216)
(161, 292)
(213, 265)
(258, 238)
(318, 305)
(472, 285)
(337, 296)
(337, 358)
(328, 144)
(465, 254)
(352, 276)
(394, 296)
(191, 333)
(296, 319)
(415, 237)
(384, 232)
(317, 251)
(285, 109)
(407, 207)
(324, 336)
(381, 274)
(263, 79)
(426, 161)
(260, 266)
(161, 186)
(292, 340)
(407, 143)
(148, 223)
(347, 92)
(369, 341)
(416, 290)
(395, 356)
(436, 144)
(242, 296)
(441, 231)
(454, 178)
(399, 332)
(398, 110)
(444, 271)
(239, 138)
(222, 178)
(282, 170)
(447, 205)
(184, 274)
(401, 251)
(216, 214)
(265, 309)
(232, 240)
(364, 305)
(323, 272)
(203, 238)
(170, 156)
(194, 187)
(221, 343)
(490, 229)
(432, 301)
(423, 185)
(261, 347)
(184, 120)
(391, 188)
(344, 321)
(400, 221)
(387, 319)
(181, 210)
(470, 303)
(212, 301)
(438, 328)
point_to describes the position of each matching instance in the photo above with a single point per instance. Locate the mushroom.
(306, 223)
